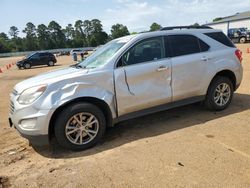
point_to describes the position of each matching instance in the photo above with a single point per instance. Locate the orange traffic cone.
(248, 50)
(1, 70)
(7, 66)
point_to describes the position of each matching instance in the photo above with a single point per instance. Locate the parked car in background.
(36, 59)
(126, 78)
(239, 35)
(63, 53)
(78, 52)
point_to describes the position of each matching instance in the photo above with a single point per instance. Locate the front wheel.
(220, 93)
(27, 65)
(80, 126)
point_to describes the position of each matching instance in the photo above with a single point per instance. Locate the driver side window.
(35, 56)
(147, 50)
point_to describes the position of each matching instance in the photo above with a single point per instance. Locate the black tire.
(242, 40)
(27, 66)
(51, 63)
(64, 117)
(210, 101)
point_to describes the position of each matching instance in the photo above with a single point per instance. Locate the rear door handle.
(162, 68)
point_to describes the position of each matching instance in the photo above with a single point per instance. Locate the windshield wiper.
(78, 66)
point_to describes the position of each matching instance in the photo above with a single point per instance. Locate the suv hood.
(21, 61)
(49, 77)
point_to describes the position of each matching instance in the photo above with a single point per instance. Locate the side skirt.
(159, 108)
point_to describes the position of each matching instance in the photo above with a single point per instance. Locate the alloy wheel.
(222, 94)
(82, 128)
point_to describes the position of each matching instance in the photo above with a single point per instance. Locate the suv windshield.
(102, 55)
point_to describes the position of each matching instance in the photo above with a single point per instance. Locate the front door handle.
(205, 58)
(162, 68)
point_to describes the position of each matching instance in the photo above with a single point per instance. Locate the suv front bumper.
(37, 140)
(31, 123)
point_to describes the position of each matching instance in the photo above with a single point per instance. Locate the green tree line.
(52, 36)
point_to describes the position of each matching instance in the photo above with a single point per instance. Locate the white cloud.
(135, 15)
(138, 15)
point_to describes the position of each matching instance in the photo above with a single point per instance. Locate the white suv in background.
(126, 78)
(76, 51)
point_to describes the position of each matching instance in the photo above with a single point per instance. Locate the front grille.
(12, 107)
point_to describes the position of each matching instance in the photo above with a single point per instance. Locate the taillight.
(238, 54)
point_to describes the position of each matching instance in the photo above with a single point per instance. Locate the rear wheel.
(242, 40)
(220, 93)
(51, 63)
(80, 126)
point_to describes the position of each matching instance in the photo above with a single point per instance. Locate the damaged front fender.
(69, 90)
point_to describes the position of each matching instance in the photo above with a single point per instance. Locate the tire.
(51, 63)
(242, 40)
(68, 121)
(27, 66)
(215, 92)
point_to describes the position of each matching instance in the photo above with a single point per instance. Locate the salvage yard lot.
(183, 147)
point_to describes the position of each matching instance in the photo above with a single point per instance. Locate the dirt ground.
(183, 147)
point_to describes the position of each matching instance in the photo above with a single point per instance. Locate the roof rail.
(185, 27)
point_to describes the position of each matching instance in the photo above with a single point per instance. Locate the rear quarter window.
(221, 38)
(203, 46)
(185, 45)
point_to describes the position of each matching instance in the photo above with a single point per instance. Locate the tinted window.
(35, 56)
(203, 46)
(146, 50)
(43, 54)
(49, 55)
(184, 44)
(220, 37)
(167, 47)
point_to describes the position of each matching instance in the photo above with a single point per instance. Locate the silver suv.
(126, 78)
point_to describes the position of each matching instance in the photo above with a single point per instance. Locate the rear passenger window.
(183, 44)
(220, 37)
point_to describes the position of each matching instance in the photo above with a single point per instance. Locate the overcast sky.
(136, 14)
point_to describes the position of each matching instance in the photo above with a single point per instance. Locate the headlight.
(30, 95)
